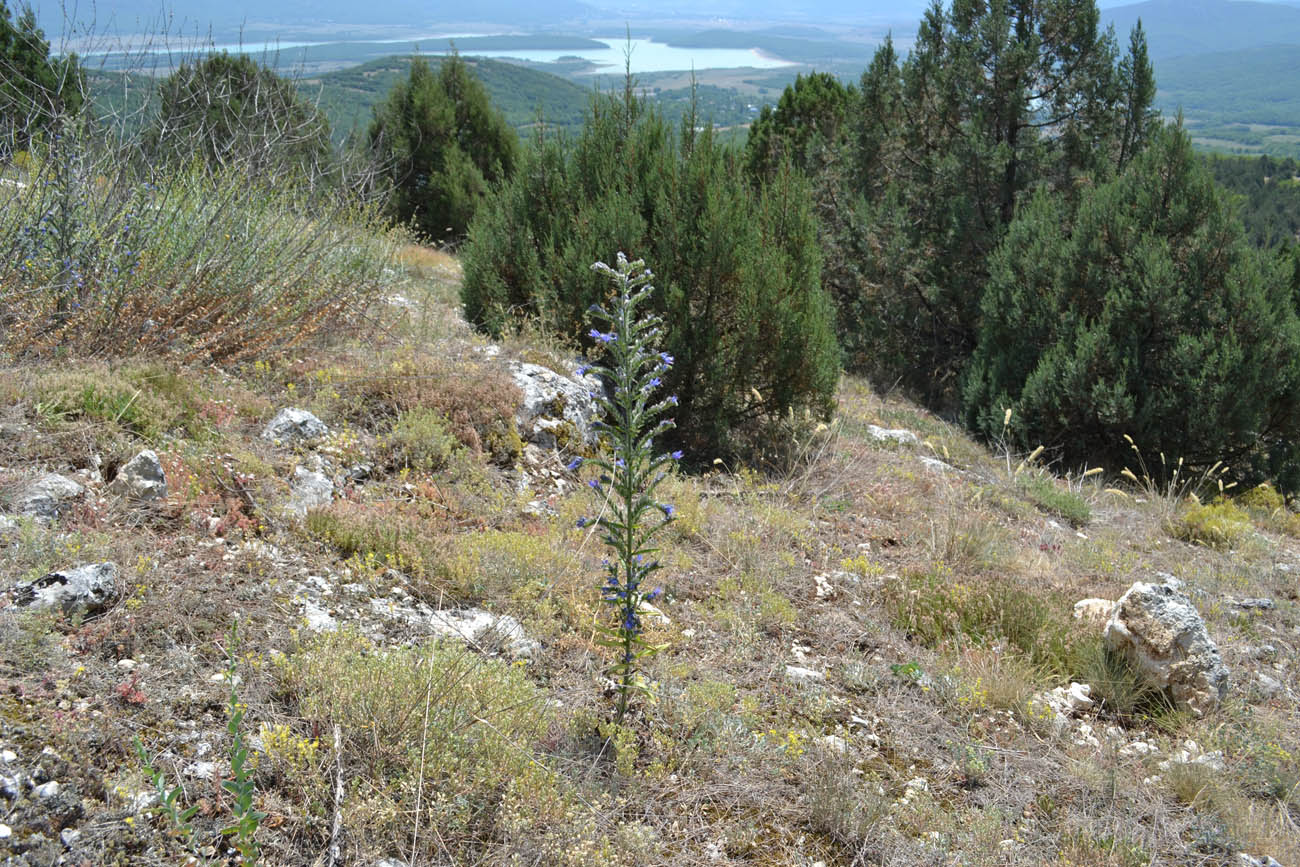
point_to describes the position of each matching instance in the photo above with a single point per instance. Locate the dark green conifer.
(1147, 314)
(442, 145)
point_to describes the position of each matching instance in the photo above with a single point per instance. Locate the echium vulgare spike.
(630, 468)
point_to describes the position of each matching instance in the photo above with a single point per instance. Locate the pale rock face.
(86, 590)
(884, 435)
(141, 478)
(308, 490)
(552, 402)
(292, 424)
(799, 674)
(1094, 610)
(1158, 628)
(45, 496)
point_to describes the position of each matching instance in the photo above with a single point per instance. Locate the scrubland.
(854, 638)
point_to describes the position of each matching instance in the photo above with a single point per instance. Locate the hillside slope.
(401, 612)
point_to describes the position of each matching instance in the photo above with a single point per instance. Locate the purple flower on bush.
(596, 334)
(573, 464)
(667, 509)
(678, 455)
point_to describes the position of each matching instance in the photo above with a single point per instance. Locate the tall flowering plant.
(631, 469)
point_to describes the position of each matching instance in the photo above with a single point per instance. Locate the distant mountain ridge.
(1177, 28)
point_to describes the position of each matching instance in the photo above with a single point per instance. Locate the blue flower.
(655, 593)
(667, 509)
(677, 455)
(594, 485)
(655, 383)
(672, 399)
(582, 371)
(573, 464)
(665, 360)
(596, 334)
(582, 522)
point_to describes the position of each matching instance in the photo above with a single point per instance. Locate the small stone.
(825, 589)
(126, 664)
(45, 791)
(292, 424)
(45, 496)
(1247, 860)
(8, 756)
(141, 478)
(553, 405)
(799, 674)
(141, 801)
(880, 434)
(652, 612)
(1260, 603)
(1192, 754)
(1268, 686)
(85, 590)
(69, 836)
(935, 465)
(5, 831)
(200, 770)
(835, 743)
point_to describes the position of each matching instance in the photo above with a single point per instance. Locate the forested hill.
(521, 94)
(347, 96)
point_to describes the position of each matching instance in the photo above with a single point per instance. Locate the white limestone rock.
(141, 478)
(46, 496)
(292, 425)
(84, 590)
(1160, 631)
(554, 407)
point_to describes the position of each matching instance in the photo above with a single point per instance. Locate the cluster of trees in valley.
(997, 222)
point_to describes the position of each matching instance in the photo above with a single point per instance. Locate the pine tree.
(995, 99)
(738, 268)
(442, 145)
(808, 120)
(1138, 88)
(1146, 314)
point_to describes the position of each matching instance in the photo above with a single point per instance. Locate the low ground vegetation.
(927, 589)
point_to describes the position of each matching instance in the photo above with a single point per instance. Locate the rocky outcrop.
(141, 479)
(85, 590)
(45, 496)
(1160, 631)
(292, 425)
(556, 410)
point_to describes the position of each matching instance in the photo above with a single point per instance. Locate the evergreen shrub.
(1148, 314)
(738, 270)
